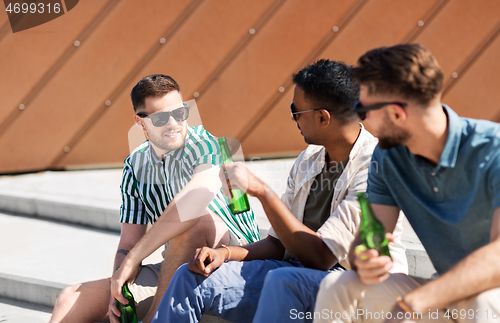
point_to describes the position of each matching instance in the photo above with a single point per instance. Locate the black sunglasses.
(295, 113)
(361, 110)
(160, 119)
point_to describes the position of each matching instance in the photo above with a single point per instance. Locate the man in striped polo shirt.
(175, 175)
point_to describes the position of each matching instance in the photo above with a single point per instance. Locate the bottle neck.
(224, 151)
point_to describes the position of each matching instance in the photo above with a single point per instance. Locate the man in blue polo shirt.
(443, 171)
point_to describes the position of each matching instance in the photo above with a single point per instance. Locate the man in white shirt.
(313, 224)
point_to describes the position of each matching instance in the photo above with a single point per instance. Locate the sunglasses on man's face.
(160, 119)
(295, 113)
(361, 110)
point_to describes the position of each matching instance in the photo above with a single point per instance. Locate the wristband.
(229, 252)
(402, 305)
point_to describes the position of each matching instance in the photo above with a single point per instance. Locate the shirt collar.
(177, 154)
(455, 127)
(317, 156)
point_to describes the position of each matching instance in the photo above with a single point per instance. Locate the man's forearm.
(298, 239)
(167, 227)
(119, 257)
(460, 282)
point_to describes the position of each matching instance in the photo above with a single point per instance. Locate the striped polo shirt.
(149, 183)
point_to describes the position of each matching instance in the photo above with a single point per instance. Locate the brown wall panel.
(476, 94)
(5, 28)
(378, 23)
(457, 30)
(277, 134)
(27, 55)
(190, 57)
(255, 76)
(4, 18)
(371, 27)
(106, 57)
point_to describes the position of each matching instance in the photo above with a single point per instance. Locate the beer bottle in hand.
(239, 199)
(371, 230)
(127, 311)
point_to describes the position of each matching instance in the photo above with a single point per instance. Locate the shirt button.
(436, 189)
(433, 174)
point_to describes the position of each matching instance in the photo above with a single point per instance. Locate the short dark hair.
(409, 70)
(155, 85)
(329, 85)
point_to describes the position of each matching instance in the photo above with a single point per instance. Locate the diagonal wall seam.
(287, 84)
(239, 47)
(122, 86)
(433, 12)
(63, 2)
(472, 58)
(4, 30)
(57, 66)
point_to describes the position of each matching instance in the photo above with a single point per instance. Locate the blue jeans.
(233, 291)
(289, 295)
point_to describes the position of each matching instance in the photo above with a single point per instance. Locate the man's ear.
(324, 117)
(398, 114)
(138, 122)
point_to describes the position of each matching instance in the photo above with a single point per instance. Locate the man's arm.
(130, 234)
(297, 238)
(458, 283)
(206, 260)
(180, 215)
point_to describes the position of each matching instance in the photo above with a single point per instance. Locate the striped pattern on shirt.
(149, 184)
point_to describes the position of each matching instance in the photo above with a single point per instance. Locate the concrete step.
(44, 255)
(92, 197)
(12, 311)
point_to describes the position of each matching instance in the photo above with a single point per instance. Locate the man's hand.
(371, 267)
(239, 177)
(399, 316)
(113, 311)
(125, 273)
(205, 260)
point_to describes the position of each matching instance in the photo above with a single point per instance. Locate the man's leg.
(209, 231)
(342, 297)
(482, 308)
(344, 293)
(287, 295)
(87, 302)
(232, 292)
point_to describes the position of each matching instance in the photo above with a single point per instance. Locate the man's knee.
(486, 300)
(67, 295)
(281, 277)
(181, 275)
(96, 291)
(339, 279)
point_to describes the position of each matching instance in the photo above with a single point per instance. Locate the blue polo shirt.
(450, 206)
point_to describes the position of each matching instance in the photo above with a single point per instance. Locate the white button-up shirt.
(340, 228)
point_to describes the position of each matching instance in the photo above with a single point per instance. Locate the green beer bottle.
(128, 314)
(239, 199)
(371, 230)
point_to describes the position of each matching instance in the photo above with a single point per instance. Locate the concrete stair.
(61, 228)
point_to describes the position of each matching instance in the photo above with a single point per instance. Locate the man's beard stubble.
(163, 143)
